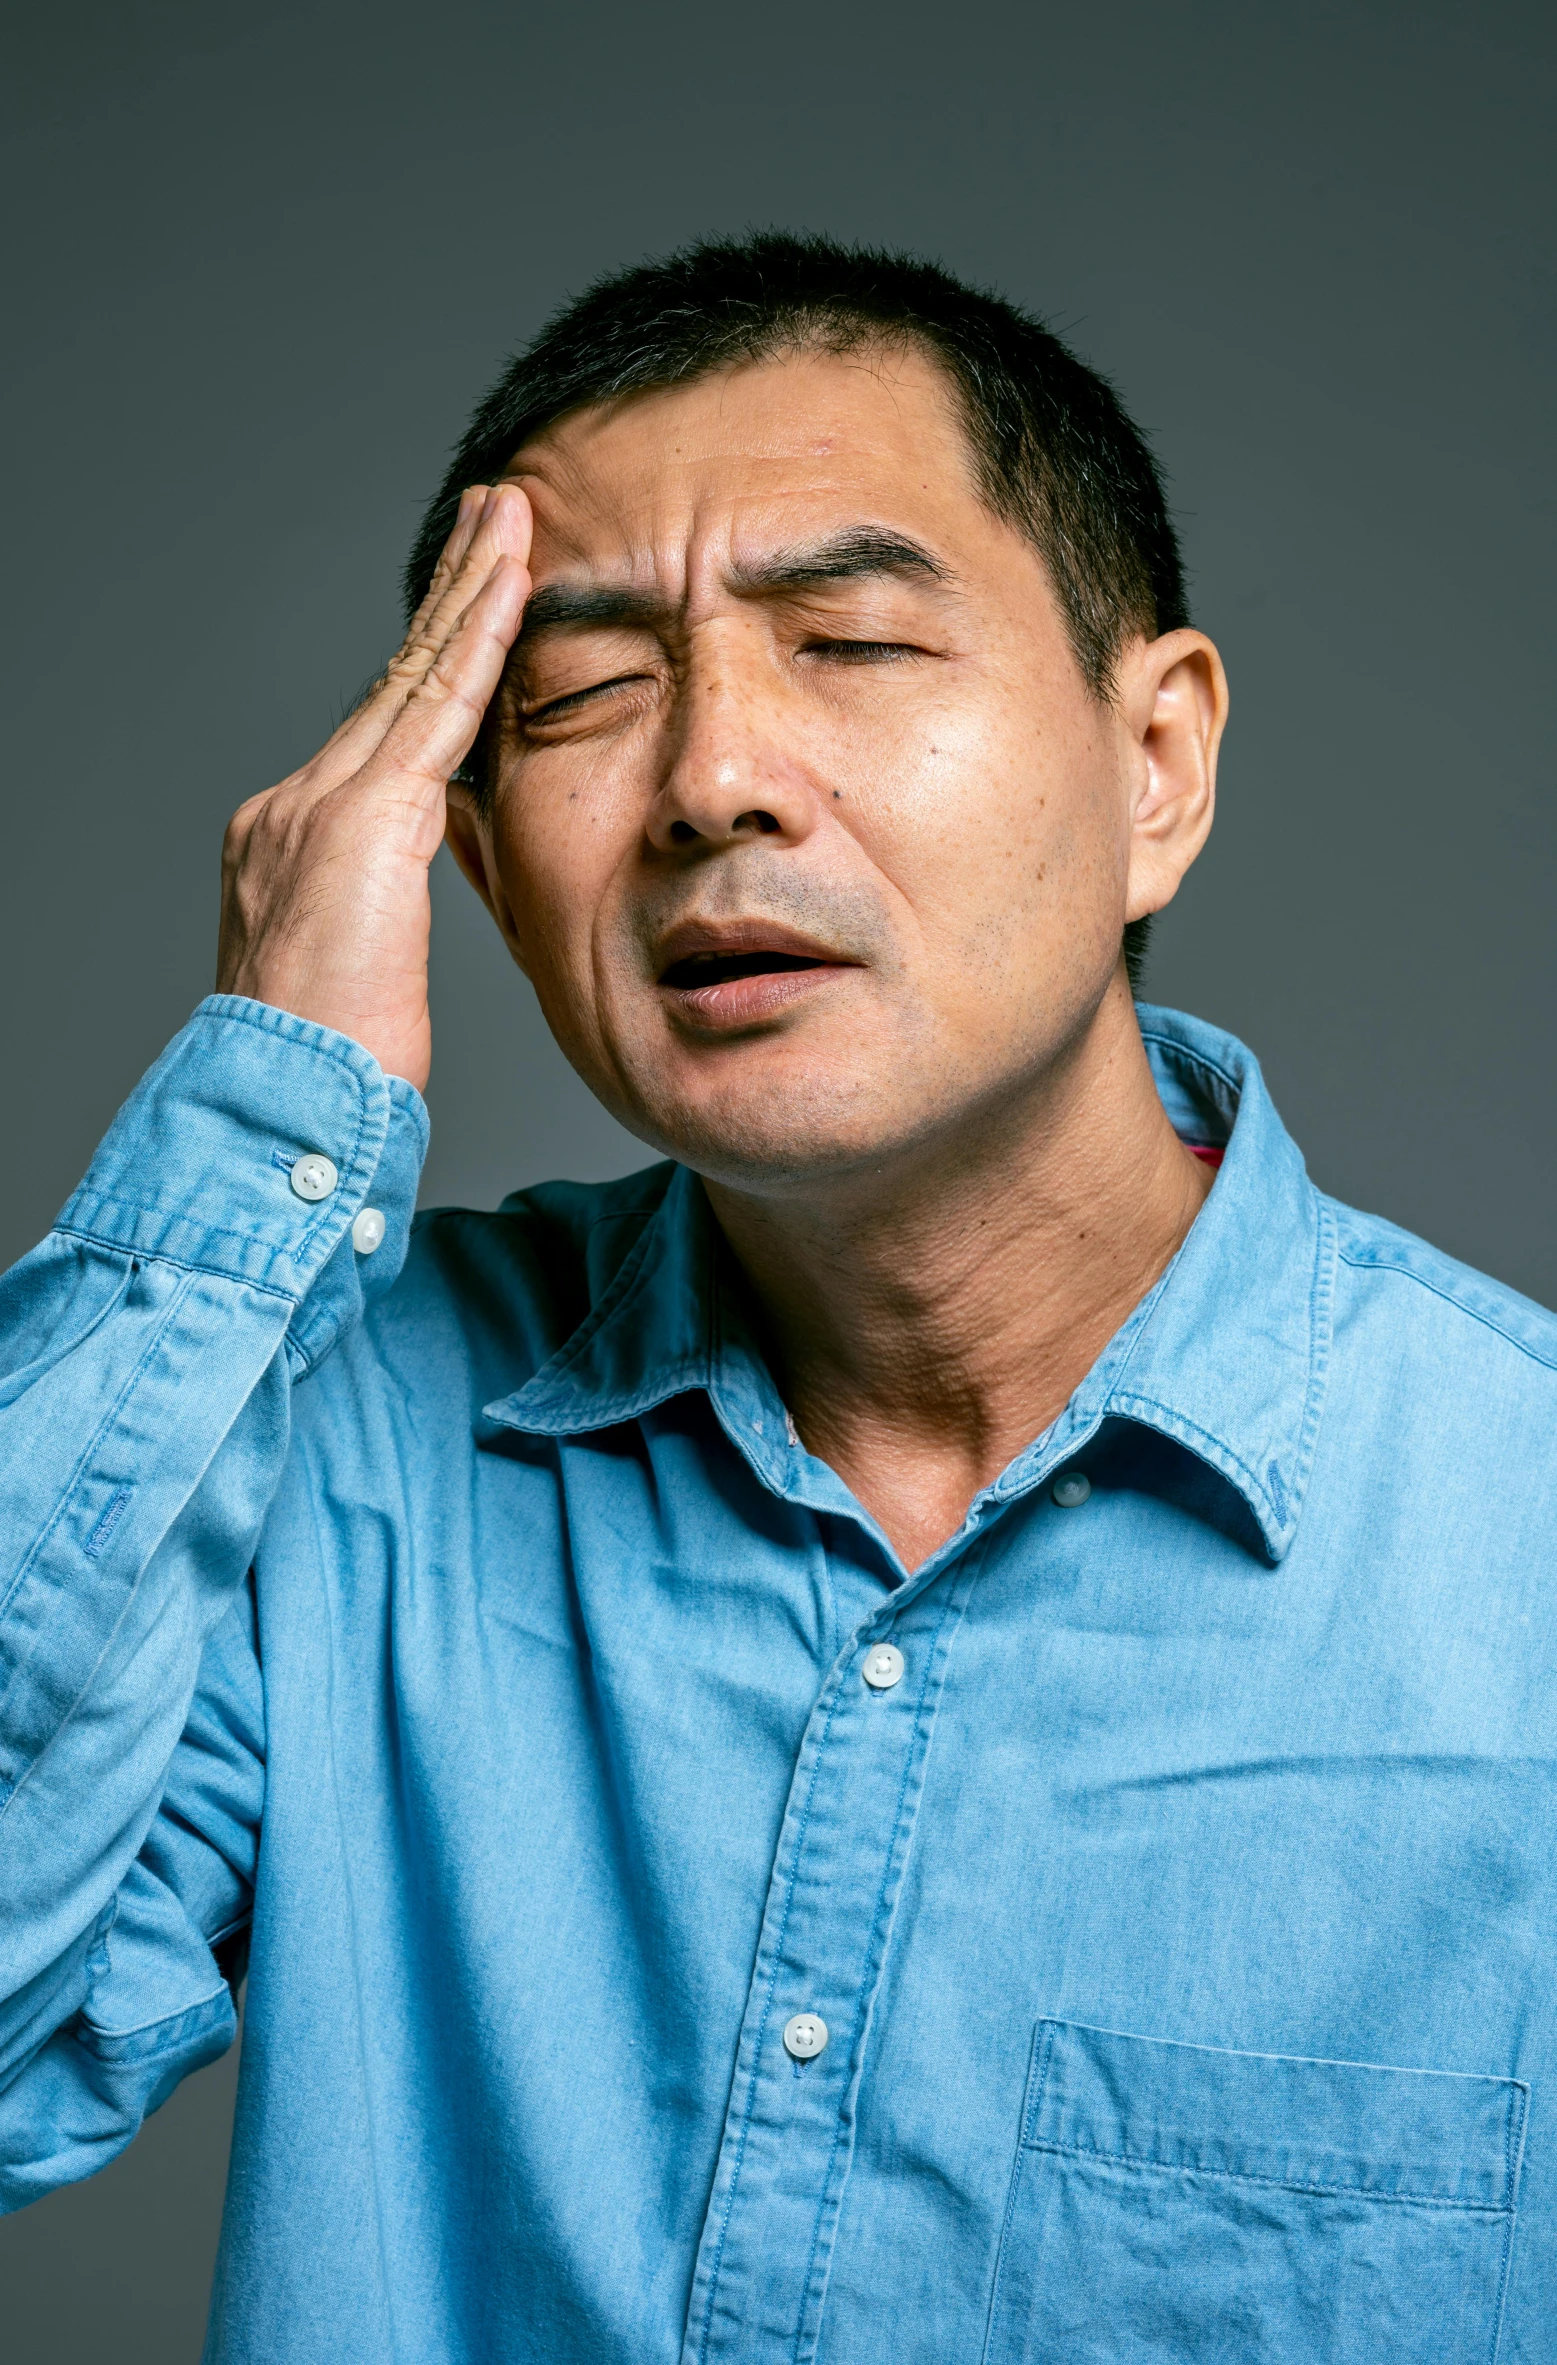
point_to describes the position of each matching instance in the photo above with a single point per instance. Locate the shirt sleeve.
(147, 1354)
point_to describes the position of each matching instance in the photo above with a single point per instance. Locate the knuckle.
(444, 687)
(240, 828)
(417, 651)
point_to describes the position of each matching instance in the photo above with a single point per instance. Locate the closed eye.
(863, 652)
(553, 710)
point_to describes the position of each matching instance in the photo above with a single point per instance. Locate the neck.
(925, 1330)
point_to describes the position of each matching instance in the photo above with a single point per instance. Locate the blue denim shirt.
(1183, 1918)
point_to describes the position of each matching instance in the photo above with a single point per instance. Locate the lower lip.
(737, 1002)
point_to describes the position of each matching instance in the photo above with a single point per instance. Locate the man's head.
(857, 662)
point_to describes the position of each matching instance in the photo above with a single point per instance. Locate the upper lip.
(756, 935)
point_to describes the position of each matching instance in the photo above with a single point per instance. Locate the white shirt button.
(1071, 1490)
(883, 1666)
(805, 2036)
(314, 1177)
(367, 1231)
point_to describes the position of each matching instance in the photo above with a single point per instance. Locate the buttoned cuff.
(198, 1167)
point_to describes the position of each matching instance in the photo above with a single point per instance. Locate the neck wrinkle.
(924, 1335)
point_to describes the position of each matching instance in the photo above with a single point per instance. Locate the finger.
(436, 728)
(504, 528)
(496, 522)
(239, 830)
(451, 556)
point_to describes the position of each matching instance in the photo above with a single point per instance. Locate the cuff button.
(367, 1231)
(314, 1177)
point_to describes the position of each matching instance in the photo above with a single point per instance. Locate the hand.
(325, 903)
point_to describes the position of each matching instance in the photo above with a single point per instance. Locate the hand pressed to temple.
(325, 907)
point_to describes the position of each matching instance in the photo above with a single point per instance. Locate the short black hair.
(1056, 453)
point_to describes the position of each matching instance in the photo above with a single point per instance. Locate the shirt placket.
(767, 2240)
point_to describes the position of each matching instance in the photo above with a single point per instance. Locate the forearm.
(149, 1348)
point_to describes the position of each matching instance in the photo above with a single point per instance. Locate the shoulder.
(1440, 1291)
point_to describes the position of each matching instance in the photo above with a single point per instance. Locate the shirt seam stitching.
(182, 1264)
(624, 1285)
(1361, 2192)
(1037, 2078)
(760, 2036)
(1126, 1398)
(339, 1059)
(1449, 1297)
(111, 1416)
(118, 2036)
(915, 1757)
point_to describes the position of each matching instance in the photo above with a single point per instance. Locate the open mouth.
(736, 987)
(715, 968)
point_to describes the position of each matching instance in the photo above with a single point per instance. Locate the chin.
(767, 1133)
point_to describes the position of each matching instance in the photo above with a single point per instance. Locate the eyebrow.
(856, 553)
(558, 604)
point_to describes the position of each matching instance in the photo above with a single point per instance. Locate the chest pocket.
(1175, 2205)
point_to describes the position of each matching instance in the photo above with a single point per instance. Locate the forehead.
(774, 447)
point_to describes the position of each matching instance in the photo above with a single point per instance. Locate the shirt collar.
(1226, 1355)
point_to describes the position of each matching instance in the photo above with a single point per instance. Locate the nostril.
(763, 823)
(682, 833)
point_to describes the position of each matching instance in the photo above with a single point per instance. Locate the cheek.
(992, 816)
(561, 841)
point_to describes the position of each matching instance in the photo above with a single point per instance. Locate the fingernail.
(469, 499)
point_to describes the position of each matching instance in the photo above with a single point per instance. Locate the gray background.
(261, 262)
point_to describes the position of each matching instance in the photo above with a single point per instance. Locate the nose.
(732, 773)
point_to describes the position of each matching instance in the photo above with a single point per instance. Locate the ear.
(469, 839)
(1172, 703)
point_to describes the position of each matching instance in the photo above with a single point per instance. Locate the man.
(924, 1733)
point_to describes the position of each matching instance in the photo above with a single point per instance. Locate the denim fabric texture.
(464, 1630)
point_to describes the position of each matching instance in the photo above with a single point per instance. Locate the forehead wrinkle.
(684, 539)
(855, 553)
